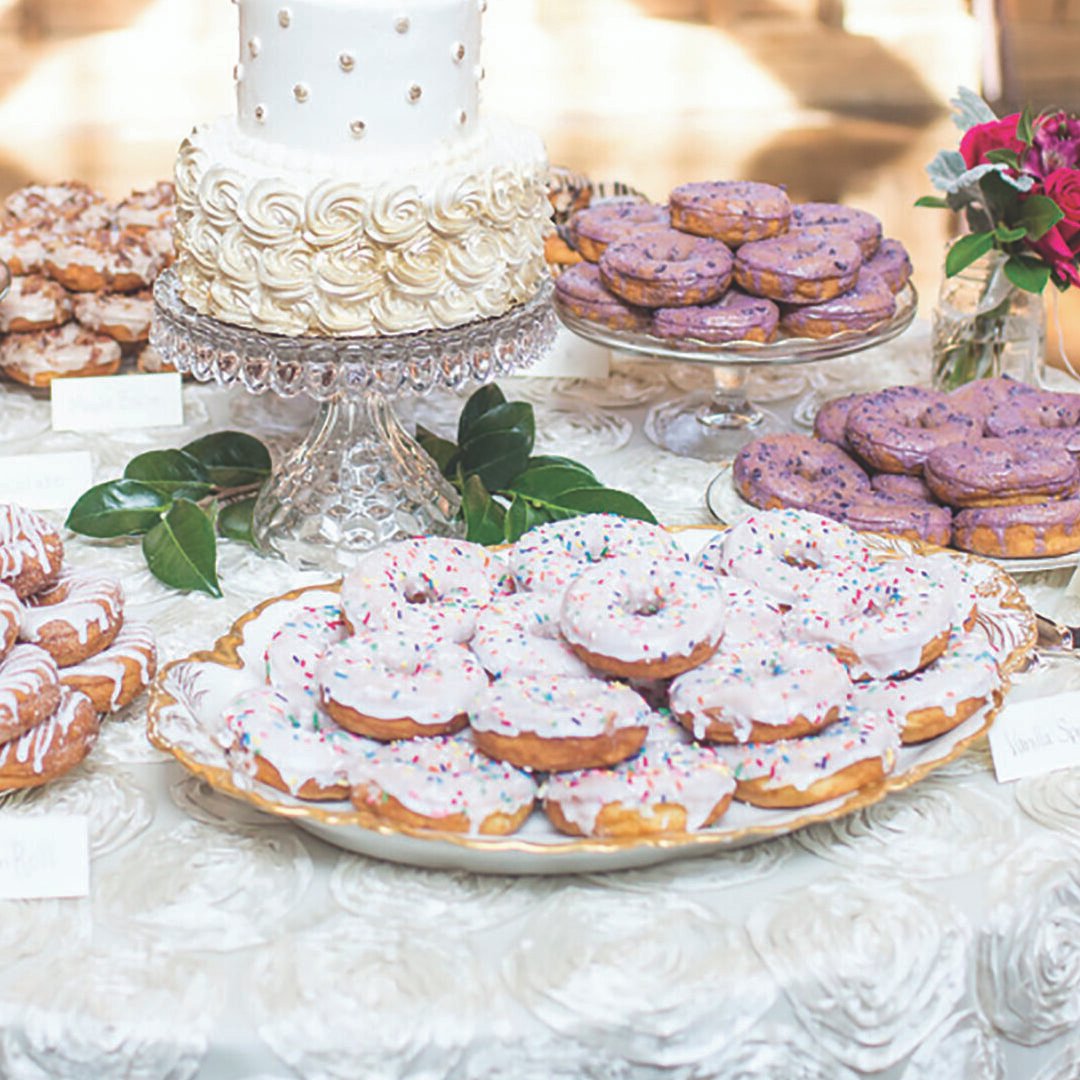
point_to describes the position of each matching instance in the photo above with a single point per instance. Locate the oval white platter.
(189, 696)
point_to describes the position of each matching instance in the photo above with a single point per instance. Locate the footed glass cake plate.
(189, 696)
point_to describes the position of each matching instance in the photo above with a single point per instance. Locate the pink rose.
(993, 135)
(1056, 253)
(1063, 186)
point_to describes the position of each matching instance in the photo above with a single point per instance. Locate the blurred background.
(838, 99)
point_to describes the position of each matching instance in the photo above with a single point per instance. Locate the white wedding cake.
(357, 190)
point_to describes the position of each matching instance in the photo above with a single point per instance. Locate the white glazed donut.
(122, 316)
(883, 621)
(641, 619)
(557, 724)
(34, 302)
(750, 614)
(774, 549)
(392, 686)
(22, 248)
(31, 551)
(117, 675)
(263, 741)
(10, 618)
(940, 697)
(850, 754)
(35, 359)
(292, 657)
(665, 788)
(442, 784)
(519, 635)
(762, 693)
(428, 586)
(52, 747)
(551, 556)
(29, 690)
(76, 619)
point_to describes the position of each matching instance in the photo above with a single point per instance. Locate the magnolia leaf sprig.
(505, 490)
(179, 502)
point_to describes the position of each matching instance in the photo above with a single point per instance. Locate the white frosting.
(427, 586)
(24, 541)
(114, 253)
(10, 617)
(35, 300)
(88, 604)
(66, 350)
(118, 311)
(770, 684)
(639, 611)
(311, 71)
(25, 672)
(750, 615)
(390, 676)
(23, 249)
(557, 708)
(688, 776)
(34, 746)
(519, 635)
(292, 657)
(134, 644)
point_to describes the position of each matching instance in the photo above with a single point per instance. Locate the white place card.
(117, 402)
(46, 856)
(45, 481)
(1035, 737)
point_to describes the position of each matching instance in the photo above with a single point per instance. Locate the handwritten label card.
(1035, 737)
(45, 481)
(47, 856)
(117, 402)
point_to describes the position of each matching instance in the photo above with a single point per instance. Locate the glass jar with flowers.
(1016, 180)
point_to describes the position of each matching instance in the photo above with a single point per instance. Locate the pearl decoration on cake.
(402, 24)
(458, 52)
(237, 72)
(357, 128)
(254, 47)
(479, 72)
(462, 117)
(415, 92)
(346, 61)
(284, 18)
(260, 113)
(301, 92)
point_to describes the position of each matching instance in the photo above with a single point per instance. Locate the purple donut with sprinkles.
(795, 471)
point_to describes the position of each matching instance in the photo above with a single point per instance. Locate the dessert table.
(934, 936)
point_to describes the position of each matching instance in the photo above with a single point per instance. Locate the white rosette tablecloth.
(934, 936)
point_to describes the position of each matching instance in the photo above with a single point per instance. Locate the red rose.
(1063, 186)
(1055, 252)
(994, 135)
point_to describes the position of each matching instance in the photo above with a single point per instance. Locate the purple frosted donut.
(1000, 472)
(871, 512)
(798, 268)
(1020, 532)
(666, 268)
(831, 419)
(902, 487)
(734, 317)
(862, 227)
(583, 293)
(593, 228)
(982, 396)
(869, 303)
(1047, 417)
(891, 263)
(895, 430)
(795, 471)
(734, 211)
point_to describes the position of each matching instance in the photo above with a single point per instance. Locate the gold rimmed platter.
(190, 695)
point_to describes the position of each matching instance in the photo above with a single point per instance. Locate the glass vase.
(984, 326)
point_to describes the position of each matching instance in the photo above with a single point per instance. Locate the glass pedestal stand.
(357, 479)
(714, 426)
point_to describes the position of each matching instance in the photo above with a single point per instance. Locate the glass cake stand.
(357, 479)
(714, 425)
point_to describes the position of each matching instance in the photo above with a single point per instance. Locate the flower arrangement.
(1017, 180)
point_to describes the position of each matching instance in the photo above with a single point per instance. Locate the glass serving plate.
(188, 697)
(715, 425)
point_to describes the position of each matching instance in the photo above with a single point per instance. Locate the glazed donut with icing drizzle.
(52, 747)
(31, 551)
(118, 674)
(76, 619)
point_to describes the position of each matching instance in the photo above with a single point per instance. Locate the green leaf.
(484, 517)
(442, 451)
(181, 549)
(966, 250)
(1027, 273)
(1039, 214)
(499, 444)
(170, 472)
(118, 508)
(1025, 130)
(935, 202)
(547, 482)
(598, 500)
(521, 517)
(482, 401)
(235, 520)
(1002, 156)
(232, 458)
(1006, 235)
(554, 459)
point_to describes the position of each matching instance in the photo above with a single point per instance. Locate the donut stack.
(990, 468)
(732, 261)
(66, 654)
(630, 689)
(82, 270)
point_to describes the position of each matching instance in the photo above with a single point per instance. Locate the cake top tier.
(359, 77)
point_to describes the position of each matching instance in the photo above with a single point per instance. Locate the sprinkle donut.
(798, 268)
(643, 620)
(69, 350)
(29, 690)
(734, 211)
(549, 557)
(303, 760)
(52, 747)
(583, 293)
(662, 268)
(762, 693)
(116, 676)
(519, 635)
(851, 754)
(558, 725)
(34, 302)
(429, 586)
(117, 260)
(825, 219)
(667, 788)
(442, 784)
(76, 619)
(1020, 532)
(31, 551)
(595, 227)
(795, 471)
(954, 687)
(293, 654)
(389, 686)
(123, 317)
(750, 615)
